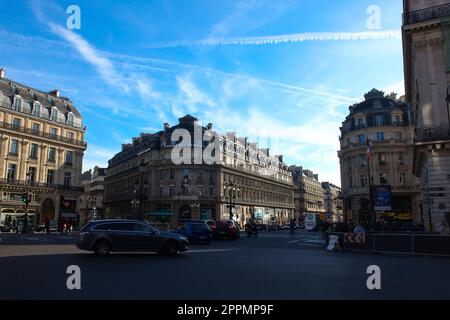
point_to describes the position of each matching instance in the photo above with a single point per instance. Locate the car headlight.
(183, 238)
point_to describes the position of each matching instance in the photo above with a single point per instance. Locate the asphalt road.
(275, 265)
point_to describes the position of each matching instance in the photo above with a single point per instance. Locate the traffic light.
(25, 198)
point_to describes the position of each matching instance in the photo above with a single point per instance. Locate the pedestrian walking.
(292, 226)
(445, 230)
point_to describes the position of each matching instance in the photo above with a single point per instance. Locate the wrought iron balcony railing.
(42, 134)
(34, 184)
(427, 14)
(429, 134)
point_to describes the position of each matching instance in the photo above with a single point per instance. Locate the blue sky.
(136, 64)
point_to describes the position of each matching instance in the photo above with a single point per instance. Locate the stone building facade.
(41, 151)
(426, 50)
(387, 123)
(308, 193)
(92, 200)
(242, 182)
(333, 202)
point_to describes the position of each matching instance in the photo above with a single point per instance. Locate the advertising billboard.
(382, 198)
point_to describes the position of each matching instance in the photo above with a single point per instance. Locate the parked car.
(195, 231)
(41, 227)
(117, 235)
(226, 229)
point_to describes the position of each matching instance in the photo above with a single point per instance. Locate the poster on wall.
(382, 198)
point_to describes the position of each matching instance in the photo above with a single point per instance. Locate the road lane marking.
(210, 250)
(293, 241)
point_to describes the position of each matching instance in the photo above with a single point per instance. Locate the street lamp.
(141, 168)
(230, 190)
(27, 200)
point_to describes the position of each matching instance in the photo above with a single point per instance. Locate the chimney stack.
(55, 93)
(2, 73)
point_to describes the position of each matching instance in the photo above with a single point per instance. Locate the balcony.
(9, 126)
(431, 134)
(34, 184)
(427, 14)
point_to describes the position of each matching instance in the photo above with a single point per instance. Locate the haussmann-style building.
(309, 197)
(426, 51)
(387, 123)
(41, 153)
(244, 182)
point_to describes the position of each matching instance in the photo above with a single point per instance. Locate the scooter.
(252, 231)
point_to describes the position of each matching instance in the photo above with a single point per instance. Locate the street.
(276, 265)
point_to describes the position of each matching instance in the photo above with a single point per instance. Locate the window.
(54, 114)
(37, 110)
(172, 173)
(14, 147)
(379, 120)
(402, 178)
(67, 176)
(33, 151)
(396, 119)
(53, 132)
(381, 159)
(400, 158)
(161, 191)
(360, 123)
(35, 128)
(17, 105)
(184, 191)
(172, 190)
(363, 180)
(398, 136)
(16, 124)
(185, 173)
(70, 119)
(362, 139)
(11, 173)
(362, 161)
(380, 136)
(383, 178)
(70, 136)
(51, 154)
(32, 174)
(50, 175)
(69, 157)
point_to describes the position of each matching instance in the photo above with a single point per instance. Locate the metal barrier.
(412, 243)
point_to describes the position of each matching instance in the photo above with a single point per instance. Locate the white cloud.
(286, 38)
(104, 67)
(97, 156)
(398, 88)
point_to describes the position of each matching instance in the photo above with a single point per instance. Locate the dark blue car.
(195, 231)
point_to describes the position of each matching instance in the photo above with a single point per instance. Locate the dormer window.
(37, 110)
(70, 118)
(54, 114)
(17, 104)
(50, 100)
(360, 123)
(397, 119)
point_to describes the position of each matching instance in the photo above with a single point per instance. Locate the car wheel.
(170, 248)
(102, 248)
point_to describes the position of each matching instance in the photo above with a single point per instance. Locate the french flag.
(368, 149)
